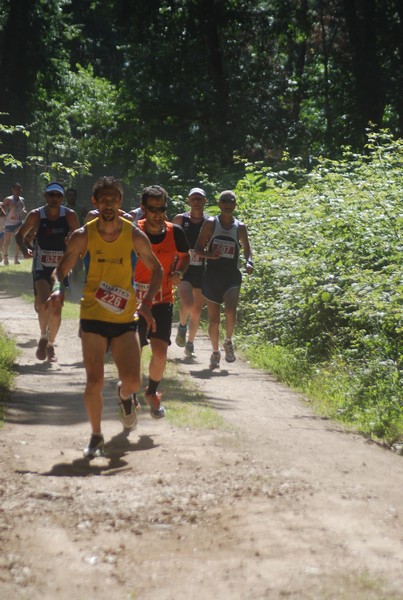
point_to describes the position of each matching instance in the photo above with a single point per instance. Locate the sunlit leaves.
(328, 264)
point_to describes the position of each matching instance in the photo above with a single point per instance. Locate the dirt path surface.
(281, 504)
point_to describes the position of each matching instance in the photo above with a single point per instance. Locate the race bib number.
(111, 298)
(195, 259)
(51, 258)
(226, 248)
(142, 289)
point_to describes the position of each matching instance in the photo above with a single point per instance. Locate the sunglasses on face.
(156, 209)
(54, 194)
(228, 200)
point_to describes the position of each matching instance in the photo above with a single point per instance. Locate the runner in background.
(171, 247)
(2, 221)
(14, 208)
(189, 289)
(220, 242)
(51, 224)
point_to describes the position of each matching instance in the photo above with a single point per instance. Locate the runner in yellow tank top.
(108, 246)
(108, 292)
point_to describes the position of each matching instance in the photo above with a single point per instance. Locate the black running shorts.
(162, 314)
(217, 283)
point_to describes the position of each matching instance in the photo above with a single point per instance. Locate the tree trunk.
(369, 93)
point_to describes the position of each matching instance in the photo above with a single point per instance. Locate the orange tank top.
(167, 254)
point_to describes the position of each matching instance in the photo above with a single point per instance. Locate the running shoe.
(41, 350)
(50, 353)
(229, 351)
(189, 350)
(181, 335)
(127, 410)
(154, 401)
(16, 261)
(215, 360)
(95, 447)
(6, 260)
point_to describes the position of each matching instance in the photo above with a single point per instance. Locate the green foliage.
(7, 159)
(8, 355)
(75, 125)
(328, 276)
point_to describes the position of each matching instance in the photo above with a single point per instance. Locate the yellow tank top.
(108, 293)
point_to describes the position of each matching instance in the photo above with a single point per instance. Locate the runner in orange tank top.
(171, 247)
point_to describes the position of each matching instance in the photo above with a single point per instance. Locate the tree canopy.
(177, 88)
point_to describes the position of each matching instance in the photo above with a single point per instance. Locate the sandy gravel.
(279, 504)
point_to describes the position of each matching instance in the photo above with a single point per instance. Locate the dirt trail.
(281, 504)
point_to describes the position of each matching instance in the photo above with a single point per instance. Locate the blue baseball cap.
(55, 187)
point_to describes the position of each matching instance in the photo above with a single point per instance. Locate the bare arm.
(76, 246)
(178, 220)
(31, 223)
(183, 261)
(202, 241)
(128, 216)
(92, 214)
(142, 247)
(4, 205)
(247, 251)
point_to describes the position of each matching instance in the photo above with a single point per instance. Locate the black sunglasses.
(155, 209)
(228, 200)
(54, 194)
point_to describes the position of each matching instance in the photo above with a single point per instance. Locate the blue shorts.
(12, 228)
(217, 283)
(162, 314)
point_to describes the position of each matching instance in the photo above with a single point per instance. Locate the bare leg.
(231, 299)
(94, 348)
(7, 240)
(186, 301)
(194, 321)
(159, 349)
(213, 310)
(126, 353)
(49, 318)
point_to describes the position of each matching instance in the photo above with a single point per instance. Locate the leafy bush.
(8, 355)
(328, 277)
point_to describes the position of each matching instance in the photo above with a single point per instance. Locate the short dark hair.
(153, 191)
(227, 194)
(107, 182)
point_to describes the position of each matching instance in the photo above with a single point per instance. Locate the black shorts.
(194, 275)
(162, 314)
(46, 274)
(106, 329)
(217, 283)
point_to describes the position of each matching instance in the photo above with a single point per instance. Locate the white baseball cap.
(197, 191)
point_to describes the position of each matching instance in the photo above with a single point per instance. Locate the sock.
(228, 339)
(123, 398)
(152, 386)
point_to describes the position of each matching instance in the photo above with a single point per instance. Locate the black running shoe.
(95, 447)
(127, 411)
